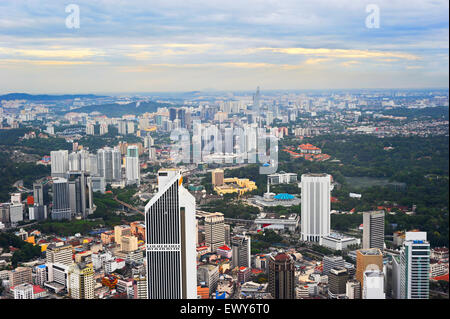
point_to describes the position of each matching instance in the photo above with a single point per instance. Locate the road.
(128, 206)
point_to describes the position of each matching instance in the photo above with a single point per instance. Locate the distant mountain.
(115, 110)
(46, 97)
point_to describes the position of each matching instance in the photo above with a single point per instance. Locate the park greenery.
(25, 252)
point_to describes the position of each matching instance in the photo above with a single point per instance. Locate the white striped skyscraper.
(316, 205)
(170, 240)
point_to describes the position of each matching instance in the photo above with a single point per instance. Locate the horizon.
(172, 46)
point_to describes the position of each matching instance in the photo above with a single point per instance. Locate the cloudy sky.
(144, 46)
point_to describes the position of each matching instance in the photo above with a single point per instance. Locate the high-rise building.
(240, 245)
(5, 213)
(59, 163)
(37, 212)
(217, 177)
(80, 194)
(329, 262)
(368, 259)
(373, 230)
(109, 164)
(103, 128)
(214, 231)
(38, 193)
(61, 199)
(415, 266)
(316, 205)
(119, 232)
(170, 240)
(282, 276)
(337, 282)
(16, 213)
(41, 275)
(373, 287)
(227, 230)
(132, 165)
(122, 128)
(89, 129)
(209, 275)
(20, 275)
(140, 286)
(59, 254)
(81, 281)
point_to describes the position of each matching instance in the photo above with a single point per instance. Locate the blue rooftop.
(284, 196)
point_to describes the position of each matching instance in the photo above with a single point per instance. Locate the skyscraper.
(316, 204)
(132, 165)
(415, 266)
(59, 163)
(373, 230)
(368, 259)
(282, 276)
(81, 281)
(170, 240)
(214, 231)
(240, 245)
(109, 164)
(61, 199)
(80, 194)
(373, 287)
(337, 282)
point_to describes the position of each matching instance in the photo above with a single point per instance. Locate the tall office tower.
(269, 118)
(37, 212)
(92, 165)
(282, 276)
(337, 282)
(329, 262)
(415, 266)
(15, 213)
(20, 275)
(256, 102)
(81, 281)
(59, 254)
(170, 238)
(59, 163)
(89, 129)
(122, 127)
(152, 154)
(368, 259)
(214, 231)
(227, 231)
(74, 161)
(103, 128)
(240, 245)
(38, 193)
(148, 141)
(373, 230)
(130, 127)
(61, 199)
(181, 114)
(80, 194)
(353, 289)
(373, 287)
(109, 164)
(132, 165)
(5, 213)
(217, 177)
(316, 205)
(172, 114)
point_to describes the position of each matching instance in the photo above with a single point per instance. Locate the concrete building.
(353, 289)
(16, 213)
(282, 276)
(337, 283)
(20, 275)
(373, 287)
(132, 166)
(214, 231)
(81, 281)
(373, 230)
(217, 177)
(415, 266)
(59, 163)
(61, 254)
(61, 199)
(240, 245)
(329, 262)
(368, 259)
(316, 203)
(209, 275)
